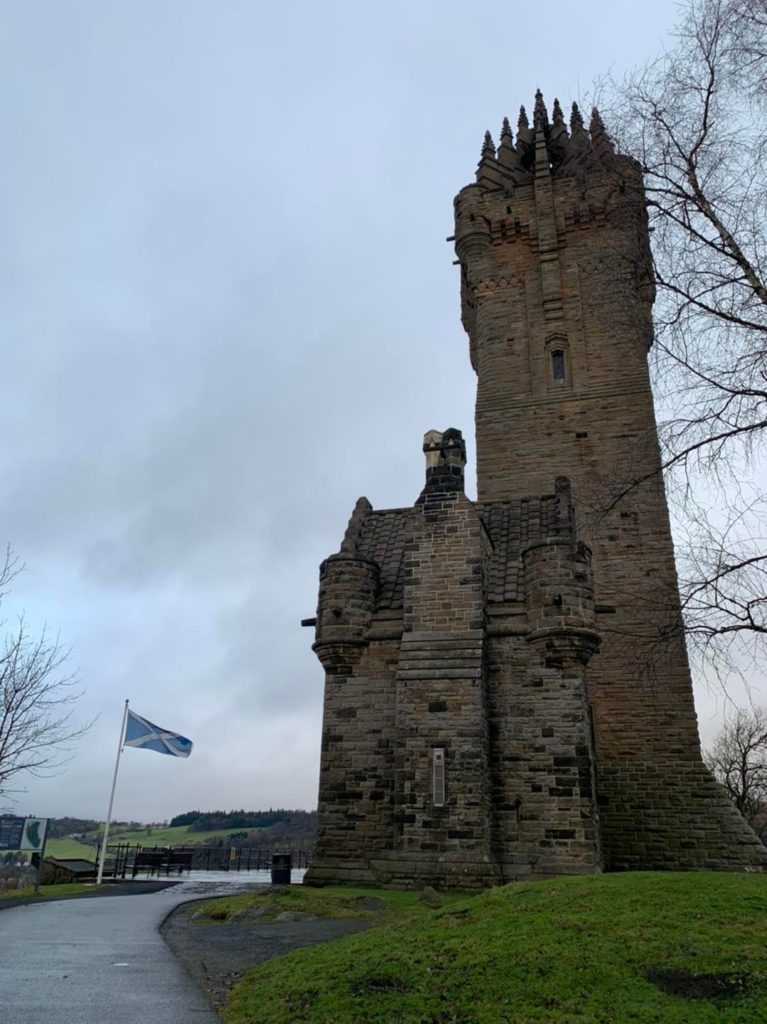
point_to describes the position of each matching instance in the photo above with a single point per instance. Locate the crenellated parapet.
(536, 191)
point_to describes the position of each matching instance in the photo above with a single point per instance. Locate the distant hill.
(282, 821)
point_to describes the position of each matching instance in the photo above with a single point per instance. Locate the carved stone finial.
(488, 172)
(597, 125)
(525, 140)
(600, 140)
(579, 144)
(540, 114)
(508, 157)
(558, 137)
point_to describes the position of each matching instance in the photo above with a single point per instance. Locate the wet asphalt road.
(98, 961)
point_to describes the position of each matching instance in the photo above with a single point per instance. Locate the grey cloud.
(230, 310)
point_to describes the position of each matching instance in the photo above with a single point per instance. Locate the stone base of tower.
(340, 871)
(585, 861)
(672, 816)
(397, 869)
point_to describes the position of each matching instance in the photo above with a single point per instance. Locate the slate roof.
(383, 539)
(510, 525)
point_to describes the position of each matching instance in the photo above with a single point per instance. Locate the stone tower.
(507, 687)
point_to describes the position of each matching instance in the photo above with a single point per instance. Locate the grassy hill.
(178, 835)
(159, 836)
(69, 848)
(645, 948)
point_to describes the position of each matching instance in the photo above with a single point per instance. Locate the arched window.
(558, 369)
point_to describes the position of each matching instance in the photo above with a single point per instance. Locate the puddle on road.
(208, 882)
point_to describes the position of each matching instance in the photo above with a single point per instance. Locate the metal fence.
(124, 860)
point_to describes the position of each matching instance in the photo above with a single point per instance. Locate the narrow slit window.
(438, 776)
(558, 364)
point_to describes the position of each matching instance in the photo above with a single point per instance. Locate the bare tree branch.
(696, 120)
(738, 762)
(37, 698)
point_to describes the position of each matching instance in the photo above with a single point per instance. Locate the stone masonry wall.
(441, 691)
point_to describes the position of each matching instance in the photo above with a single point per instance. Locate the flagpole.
(108, 822)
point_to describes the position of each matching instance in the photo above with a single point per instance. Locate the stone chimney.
(445, 461)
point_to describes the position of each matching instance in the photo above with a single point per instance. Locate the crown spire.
(506, 137)
(525, 140)
(488, 171)
(540, 114)
(557, 117)
(542, 131)
(600, 140)
(578, 143)
(508, 157)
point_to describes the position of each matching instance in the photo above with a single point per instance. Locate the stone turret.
(348, 586)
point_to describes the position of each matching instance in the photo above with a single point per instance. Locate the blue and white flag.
(141, 733)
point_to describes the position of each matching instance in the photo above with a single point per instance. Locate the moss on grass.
(344, 903)
(592, 950)
(47, 891)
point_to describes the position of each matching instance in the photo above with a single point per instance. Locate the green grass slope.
(346, 903)
(69, 848)
(664, 948)
(179, 835)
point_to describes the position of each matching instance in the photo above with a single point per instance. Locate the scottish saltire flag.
(141, 733)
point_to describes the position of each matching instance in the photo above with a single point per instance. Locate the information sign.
(22, 833)
(11, 830)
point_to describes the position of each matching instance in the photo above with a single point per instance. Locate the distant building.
(507, 690)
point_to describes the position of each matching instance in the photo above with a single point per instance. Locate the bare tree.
(37, 700)
(738, 762)
(696, 120)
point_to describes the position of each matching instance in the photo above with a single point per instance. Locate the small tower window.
(558, 364)
(438, 776)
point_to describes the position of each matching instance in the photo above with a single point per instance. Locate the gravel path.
(216, 955)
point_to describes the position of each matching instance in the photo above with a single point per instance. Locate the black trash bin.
(281, 865)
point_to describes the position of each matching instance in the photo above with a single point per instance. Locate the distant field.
(69, 848)
(177, 836)
(180, 835)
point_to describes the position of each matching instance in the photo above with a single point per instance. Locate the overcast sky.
(228, 311)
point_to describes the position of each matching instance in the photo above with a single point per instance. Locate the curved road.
(99, 961)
